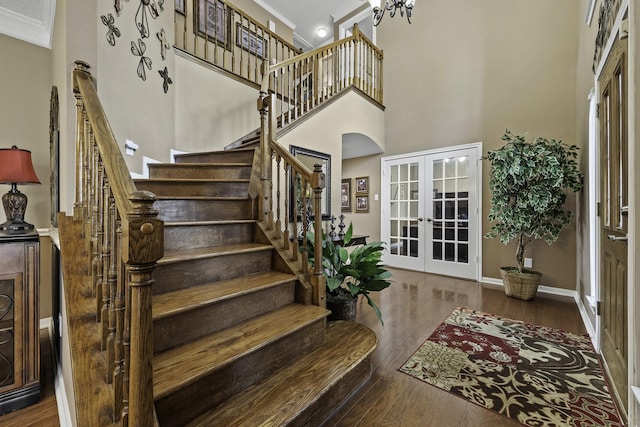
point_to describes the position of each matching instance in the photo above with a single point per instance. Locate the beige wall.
(25, 73)
(465, 71)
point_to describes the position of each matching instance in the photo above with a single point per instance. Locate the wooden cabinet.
(19, 320)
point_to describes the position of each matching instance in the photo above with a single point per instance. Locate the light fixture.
(392, 6)
(16, 168)
(321, 32)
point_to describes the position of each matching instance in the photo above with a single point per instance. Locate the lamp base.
(15, 203)
(12, 225)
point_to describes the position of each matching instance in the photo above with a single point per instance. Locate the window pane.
(437, 169)
(437, 250)
(463, 253)
(463, 166)
(449, 252)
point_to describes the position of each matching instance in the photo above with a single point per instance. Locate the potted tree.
(527, 181)
(350, 274)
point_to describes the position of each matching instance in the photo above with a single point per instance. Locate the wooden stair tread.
(221, 222)
(279, 398)
(191, 180)
(229, 198)
(200, 165)
(212, 251)
(171, 303)
(175, 368)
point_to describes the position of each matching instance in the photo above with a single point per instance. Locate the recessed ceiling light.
(322, 32)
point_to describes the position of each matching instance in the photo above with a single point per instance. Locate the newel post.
(264, 204)
(143, 245)
(80, 204)
(318, 279)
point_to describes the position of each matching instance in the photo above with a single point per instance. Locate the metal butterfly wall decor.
(142, 21)
(166, 79)
(164, 44)
(117, 5)
(112, 31)
(145, 61)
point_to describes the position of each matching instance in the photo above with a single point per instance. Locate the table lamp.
(16, 168)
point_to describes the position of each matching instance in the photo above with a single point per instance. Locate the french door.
(430, 214)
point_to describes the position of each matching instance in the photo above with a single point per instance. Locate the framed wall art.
(362, 203)
(250, 41)
(212, 20)
(345, 195)
(362, 185)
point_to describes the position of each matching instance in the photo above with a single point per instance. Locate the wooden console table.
(19, 320)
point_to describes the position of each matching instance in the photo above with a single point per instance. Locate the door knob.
(429, 219)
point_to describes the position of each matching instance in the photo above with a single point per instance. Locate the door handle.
(617, 238)
(429, 220)
(417, 219)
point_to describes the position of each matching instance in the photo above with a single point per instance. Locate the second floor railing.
(221, 34)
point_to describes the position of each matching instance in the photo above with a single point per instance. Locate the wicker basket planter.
(520, 285)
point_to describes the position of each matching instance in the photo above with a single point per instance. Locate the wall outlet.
(528, 262)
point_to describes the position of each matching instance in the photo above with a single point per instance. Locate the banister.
(116, 168)
(122, 233)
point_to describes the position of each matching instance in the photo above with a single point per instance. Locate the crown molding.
(30, 30)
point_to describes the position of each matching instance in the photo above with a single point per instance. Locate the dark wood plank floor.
(45, 412)
(412, 308)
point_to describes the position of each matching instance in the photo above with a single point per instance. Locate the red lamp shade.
(16, 167)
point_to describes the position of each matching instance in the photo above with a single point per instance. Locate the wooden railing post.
(144, 238)
(318, 280)
(79, 205)
(264, 205)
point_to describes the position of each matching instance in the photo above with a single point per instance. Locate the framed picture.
(362, 203)
(250, 41)
(345, 195)
(310, 158)
(362, 185)
(180, 6)
(217, 25)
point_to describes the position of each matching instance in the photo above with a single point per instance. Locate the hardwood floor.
(45, 412)
(411, 308)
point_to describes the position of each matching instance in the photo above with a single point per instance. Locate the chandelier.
(392, 6)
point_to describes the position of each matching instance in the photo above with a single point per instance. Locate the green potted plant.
(528, 182)
(350, 274)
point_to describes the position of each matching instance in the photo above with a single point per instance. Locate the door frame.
(384, 199)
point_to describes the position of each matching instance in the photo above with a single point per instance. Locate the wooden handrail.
(122, 233)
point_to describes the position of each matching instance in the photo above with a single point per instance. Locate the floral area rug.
(535, 375)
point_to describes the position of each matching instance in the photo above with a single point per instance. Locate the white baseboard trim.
(61, 396)
(543, 289)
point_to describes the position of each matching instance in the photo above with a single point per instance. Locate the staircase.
(232, 344)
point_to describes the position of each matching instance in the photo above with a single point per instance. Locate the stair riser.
(208, 235)
(174, 276)
(204, 210)
(209, 391)
(186, 171)
(182, 328)
(203, 189)
(239, 156)
(340, 392)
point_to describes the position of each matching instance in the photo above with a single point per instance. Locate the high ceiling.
(309, 15)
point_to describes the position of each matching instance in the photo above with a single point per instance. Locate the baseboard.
(61, 397)
(542, 289)
(587, 323)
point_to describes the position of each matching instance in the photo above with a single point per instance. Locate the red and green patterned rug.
(535, 375)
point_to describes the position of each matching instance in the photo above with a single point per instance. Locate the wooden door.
(614, 205)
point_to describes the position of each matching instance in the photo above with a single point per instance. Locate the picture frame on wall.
(180, 7)
(362, 203)
(250, 41)
(212, 20)
(362, 185)
(345, 195)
